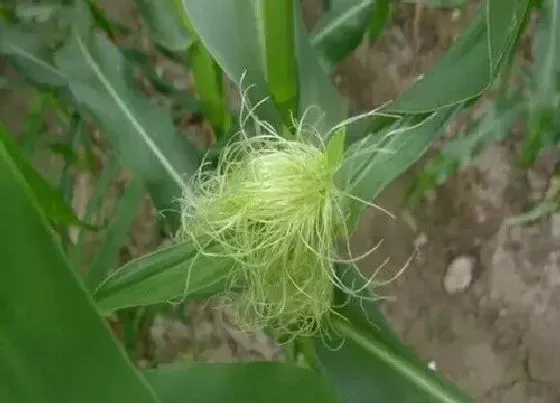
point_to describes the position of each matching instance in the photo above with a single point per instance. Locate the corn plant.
(526, 97)
(257, 218)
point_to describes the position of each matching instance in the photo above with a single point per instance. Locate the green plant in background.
(524, 97)
(261, 213)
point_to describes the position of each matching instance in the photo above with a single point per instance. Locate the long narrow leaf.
(277, 21)
(373, 163)
(53, 346)
(438, 3)
(108, 174)
(51, 201)
(33, 125)
(238, 383)
(108, 253)
(141, 133)
(74, 137)
(207, 76)
(173, 273)
(341, 30)
(31, 55)
(102, 21)
(470, 65)
(369, 364)
(164, 25)
(547, 52)
(504, 19)
(545, 97)
(380, 15)
(319, 102)
(242, 54)
(170, 27)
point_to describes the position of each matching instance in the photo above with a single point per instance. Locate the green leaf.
(52, 202)
(33, 126)
(341, 30)
(374, 162)
(545, 207)
(176, 272)
(277, 34)
(380, 16)
(142, 61)
(320, 104)
(539, 211)
(471, 64)
(72, 141)
(542, 134)
(438, 3)
(30, 12)
(30, 55)
(546, 49)
(108, 174)
(544, 99)
(108, 254)
(164, 25)
(241, 55)
(141, 133)
(335, 148)
(505, 21)
(110, 27)
(53, 346)
(208, 78)
(367, 362)
(461, 150)
(244, 55)
(268, 382)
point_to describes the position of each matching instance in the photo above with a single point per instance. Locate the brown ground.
(498, 336)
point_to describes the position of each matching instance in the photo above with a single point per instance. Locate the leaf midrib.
(394, 361)
(350, 13)
(23, 53)
(128, 113)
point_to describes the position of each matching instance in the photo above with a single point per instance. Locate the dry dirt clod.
(459, 275)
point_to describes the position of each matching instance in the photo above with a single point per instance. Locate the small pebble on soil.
(458, 276)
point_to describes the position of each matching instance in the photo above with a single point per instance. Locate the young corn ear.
(272, 207)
